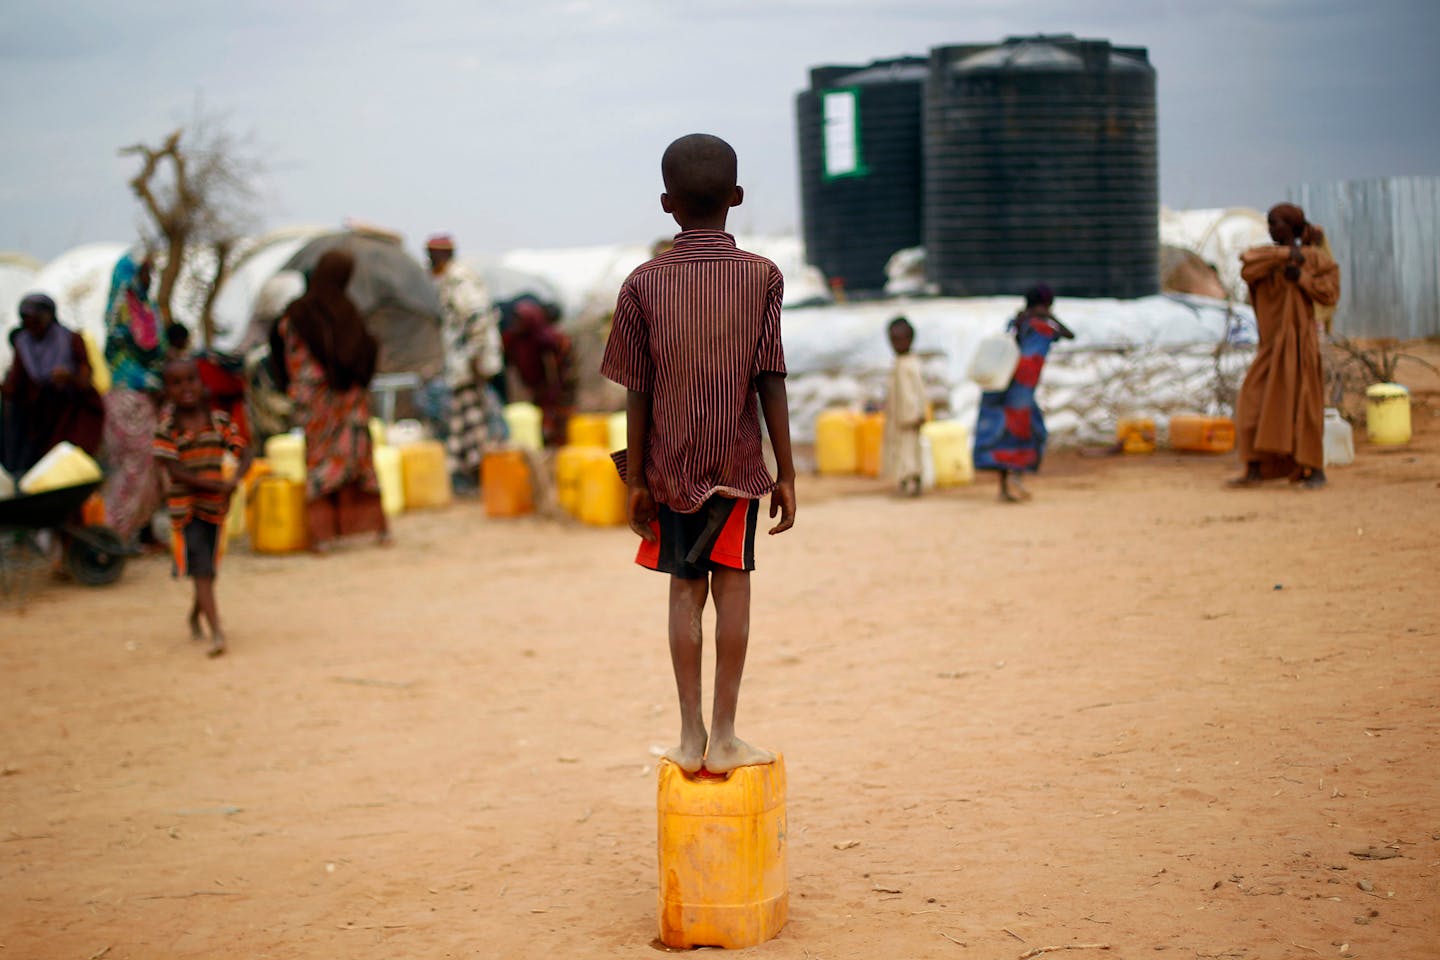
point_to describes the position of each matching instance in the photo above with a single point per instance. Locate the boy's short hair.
(699, 172)
(901, 323)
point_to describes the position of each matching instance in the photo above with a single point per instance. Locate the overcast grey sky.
(540, 122)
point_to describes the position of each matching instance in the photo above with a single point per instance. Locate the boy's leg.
(687, 642)
(732, 638)
(205, 600)
(196, 633)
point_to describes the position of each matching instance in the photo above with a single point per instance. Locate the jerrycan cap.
(1381, 391)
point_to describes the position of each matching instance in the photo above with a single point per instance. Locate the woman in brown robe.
(328, 359)
(1279, 417)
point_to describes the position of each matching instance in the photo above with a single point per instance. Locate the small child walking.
(695, 341)
(904, 412)
(191, 442)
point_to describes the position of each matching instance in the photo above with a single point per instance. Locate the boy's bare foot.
(217, 645)
(724, 757)
(385, 539)
(690, 754)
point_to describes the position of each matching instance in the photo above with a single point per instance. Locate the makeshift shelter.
(394, 294)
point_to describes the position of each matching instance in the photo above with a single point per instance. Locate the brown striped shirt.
(693, 328)
(201, 452)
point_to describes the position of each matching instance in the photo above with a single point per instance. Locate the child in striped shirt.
(190, 445)
(696, 341)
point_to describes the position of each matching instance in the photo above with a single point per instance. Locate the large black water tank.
(860, 171)
(1040, 165)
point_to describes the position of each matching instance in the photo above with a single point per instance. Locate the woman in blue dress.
(1010, 435)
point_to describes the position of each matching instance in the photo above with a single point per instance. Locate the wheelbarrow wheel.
(95, 556)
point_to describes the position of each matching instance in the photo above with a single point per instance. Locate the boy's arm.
(776, 408)
(639, 504)
(194, 481)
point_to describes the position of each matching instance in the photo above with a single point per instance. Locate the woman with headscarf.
(1010, 433)
(135, 352)
(540, 354)
(1280, 413)
(329, 359)
(48, 395)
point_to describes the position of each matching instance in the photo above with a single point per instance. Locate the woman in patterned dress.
(1010, 435)
(329, 360)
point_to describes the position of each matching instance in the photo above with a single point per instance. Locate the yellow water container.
(837, 434)
(425, 475)
(722, 856)
(602, 493)
(1198, 433)
(569, 462)
(259, 469)
(1387, 414)
(618, 428)
(505, 483)
(870, 441)
(377, 432)
(1136, 434)
(523, 420)
(65, 465)
(279, 516)
(588, 430)
(285, 453)
(235, 517)
(391, 474)
(950, 452)
(99, 369)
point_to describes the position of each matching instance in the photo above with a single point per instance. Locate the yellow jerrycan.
(588, 430)
(602, 493)
(569, 462)
(1136, 434)
(722, 856)
(279, 516)
(391, 475)
(285, 452)
(618, 429)
(950, 452)
(425, 475)
(1387, 414)
(837, 448)
(523, 420)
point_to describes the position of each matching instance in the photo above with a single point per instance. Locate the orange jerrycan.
(505, 483)
(1198, 433)
(279, 516)
(870, 440)
(722, 856)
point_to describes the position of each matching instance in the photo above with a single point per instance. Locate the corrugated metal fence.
(1386, 239)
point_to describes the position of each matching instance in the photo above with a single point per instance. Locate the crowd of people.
(169, 414)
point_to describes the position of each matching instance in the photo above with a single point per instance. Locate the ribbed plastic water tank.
(1040, 165)
(860, 140)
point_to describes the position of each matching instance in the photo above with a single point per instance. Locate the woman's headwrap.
(42, 356)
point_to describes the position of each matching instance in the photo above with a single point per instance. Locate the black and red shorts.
(721, 534)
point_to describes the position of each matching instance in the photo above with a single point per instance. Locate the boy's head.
(178, 336)
(699, 172)
(1040, 295)
(182, 383)
(902, 335)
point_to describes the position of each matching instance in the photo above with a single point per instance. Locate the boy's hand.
(640, 508)
(782, 501)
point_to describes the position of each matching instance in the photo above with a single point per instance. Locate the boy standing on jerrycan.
(695, 340)
(190, 444)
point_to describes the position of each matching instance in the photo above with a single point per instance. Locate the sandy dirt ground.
(1143, 711)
